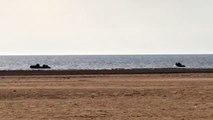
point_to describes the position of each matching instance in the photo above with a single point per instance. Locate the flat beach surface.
(107, 97)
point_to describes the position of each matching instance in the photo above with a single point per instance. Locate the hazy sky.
(106, 26)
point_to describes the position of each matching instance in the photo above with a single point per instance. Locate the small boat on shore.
(178, 64)
(37, 66)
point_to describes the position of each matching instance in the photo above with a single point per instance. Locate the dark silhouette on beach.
(37, 66)
(178, 64)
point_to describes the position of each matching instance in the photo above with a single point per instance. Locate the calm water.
(106, 61)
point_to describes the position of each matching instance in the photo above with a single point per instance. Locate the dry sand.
(107, 97)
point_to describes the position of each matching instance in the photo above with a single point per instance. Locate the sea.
(97, 62)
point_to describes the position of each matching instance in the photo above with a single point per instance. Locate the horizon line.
(106, 54)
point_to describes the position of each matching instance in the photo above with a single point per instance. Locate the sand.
(107, 97)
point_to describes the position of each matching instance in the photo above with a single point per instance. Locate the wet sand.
(107, 97)
(104, 71)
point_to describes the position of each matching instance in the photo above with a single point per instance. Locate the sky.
(67, 27)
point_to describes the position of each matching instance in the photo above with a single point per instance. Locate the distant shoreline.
(105, 71)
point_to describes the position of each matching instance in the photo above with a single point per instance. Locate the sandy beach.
(177, 96)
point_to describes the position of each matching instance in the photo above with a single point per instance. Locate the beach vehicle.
(178, 64)
(37, 66)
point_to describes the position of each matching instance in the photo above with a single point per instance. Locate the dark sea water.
(105, 61)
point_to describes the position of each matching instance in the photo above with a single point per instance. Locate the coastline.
(105, 71)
